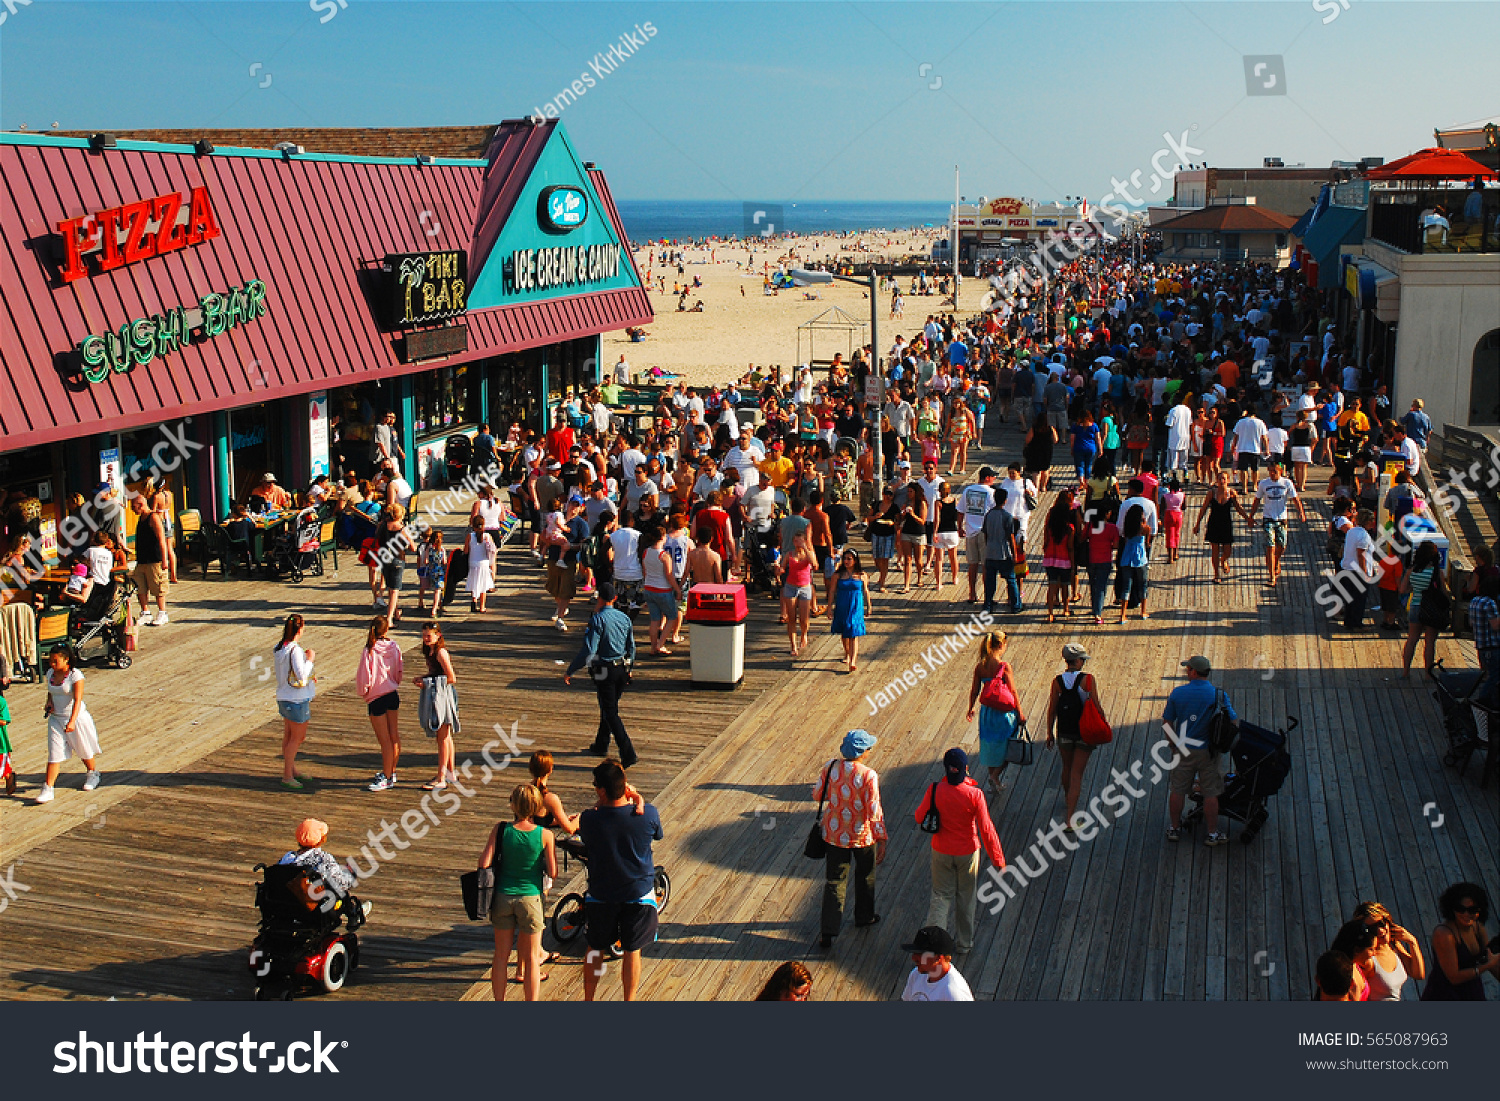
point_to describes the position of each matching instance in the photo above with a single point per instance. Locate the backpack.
(1222, 731)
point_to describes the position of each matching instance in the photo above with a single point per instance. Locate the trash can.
(717, 647)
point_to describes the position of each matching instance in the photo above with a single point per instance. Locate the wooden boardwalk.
(148, 880)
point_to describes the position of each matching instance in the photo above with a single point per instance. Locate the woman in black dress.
(1217, 506)
(1038, 450)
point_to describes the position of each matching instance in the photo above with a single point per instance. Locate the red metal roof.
(358, 141)
(309, 226)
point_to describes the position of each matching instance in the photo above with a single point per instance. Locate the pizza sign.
(122, 235)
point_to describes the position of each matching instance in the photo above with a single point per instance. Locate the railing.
(1462, 228)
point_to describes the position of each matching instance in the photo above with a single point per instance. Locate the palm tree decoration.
(412, 273)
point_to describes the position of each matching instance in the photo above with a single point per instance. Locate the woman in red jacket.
(963, 822)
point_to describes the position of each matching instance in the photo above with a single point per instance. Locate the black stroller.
(283, 556)
(762, 553)
(300, 943)
(97, 629)
(1458, 695)
(1261, 766)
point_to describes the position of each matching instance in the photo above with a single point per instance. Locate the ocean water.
(655, 219)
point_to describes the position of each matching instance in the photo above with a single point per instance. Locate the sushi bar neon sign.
(138, 342)
(122, 235)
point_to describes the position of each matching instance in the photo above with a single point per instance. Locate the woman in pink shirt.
(963, 821)
(379, 683)
(853, 827)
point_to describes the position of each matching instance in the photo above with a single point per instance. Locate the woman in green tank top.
(521, 852)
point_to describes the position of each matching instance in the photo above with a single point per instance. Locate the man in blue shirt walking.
(609, 651)
(1190, 711)
(621, 900)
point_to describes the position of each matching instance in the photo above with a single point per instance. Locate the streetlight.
(869, 283)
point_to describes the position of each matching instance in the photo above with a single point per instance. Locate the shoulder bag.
(478, 886)
(1093, 727)
(931, 821)
(997, 695)
(1019, 750)
(816, 848)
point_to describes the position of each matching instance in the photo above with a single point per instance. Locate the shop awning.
(312, 227)
(1337, 226)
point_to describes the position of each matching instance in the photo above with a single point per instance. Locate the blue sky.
(813, 100)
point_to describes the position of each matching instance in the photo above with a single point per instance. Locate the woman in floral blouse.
(853, 826)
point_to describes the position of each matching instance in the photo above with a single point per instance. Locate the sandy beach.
(741, 326)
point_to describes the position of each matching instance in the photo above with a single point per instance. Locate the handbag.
(1021, 568)
(1093, 727)
(931, 822)
(816, 848)
(997, 695)
(1019, 750)
(478, 887)
(1436, 606)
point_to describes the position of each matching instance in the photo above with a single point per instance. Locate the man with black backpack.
(1201, 720)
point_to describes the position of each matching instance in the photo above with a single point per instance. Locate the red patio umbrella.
(1432, 164)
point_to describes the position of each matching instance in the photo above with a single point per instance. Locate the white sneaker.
(91, 781)
(146, 620)
(45, 795)
(561, 626)
(161, 620)
(380, 783)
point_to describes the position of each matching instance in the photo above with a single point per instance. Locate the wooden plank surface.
(153, 882)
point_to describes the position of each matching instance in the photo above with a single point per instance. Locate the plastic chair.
(327, 544)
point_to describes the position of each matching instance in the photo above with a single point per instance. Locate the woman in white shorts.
(70, 727)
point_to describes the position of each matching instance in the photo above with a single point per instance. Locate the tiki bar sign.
(138, 342)
(136, 231)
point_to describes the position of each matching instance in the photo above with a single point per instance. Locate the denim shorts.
(794, 592)
(663, 605)
(295, 711)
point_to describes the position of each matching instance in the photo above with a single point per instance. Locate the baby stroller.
(1458, 696)
(762, 553)
(97, 629)
(1261, 766)
(283, 556)
(300, 944)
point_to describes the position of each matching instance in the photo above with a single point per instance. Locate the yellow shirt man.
(777, 470)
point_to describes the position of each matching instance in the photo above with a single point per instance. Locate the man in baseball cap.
(934, 978)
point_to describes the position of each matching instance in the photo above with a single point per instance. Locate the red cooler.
(717, 614)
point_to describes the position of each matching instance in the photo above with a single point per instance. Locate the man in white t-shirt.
(934, 978)
(730, 419)
(1179, 422)
(1408, 448)
(622, 372)
(600, 413)
(631, 458)
(1250, 443)
(1359, 559)
(931, 485)
(1017, 489)
(1137, 490)
(743, 457)
(1273, 493)
(625, 544)
(974, 503)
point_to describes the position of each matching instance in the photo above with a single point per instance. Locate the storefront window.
(249, 448)
(445, 398)
(358, 409)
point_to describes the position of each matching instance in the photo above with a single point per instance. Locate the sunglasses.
(1471, 909)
